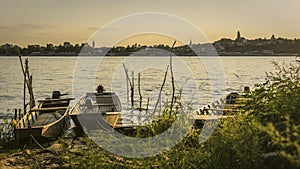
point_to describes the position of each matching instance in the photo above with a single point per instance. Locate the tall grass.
(239, 142)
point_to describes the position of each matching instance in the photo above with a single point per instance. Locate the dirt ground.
(45, 155)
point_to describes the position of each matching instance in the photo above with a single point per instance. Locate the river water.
(202, 79)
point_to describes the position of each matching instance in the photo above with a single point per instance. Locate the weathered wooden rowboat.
(226, 107)
(96, 111)
(48, 119)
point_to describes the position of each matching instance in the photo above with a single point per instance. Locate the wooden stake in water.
(161, 88)
(139, 88)
(131, 83)
(24, 85)
(132, 90)
(147, 105)
(172, 76)
(127, 80)
(28, 83)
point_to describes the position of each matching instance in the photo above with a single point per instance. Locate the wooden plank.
(112, 113)
(232, 110)
(46, 118)
(125, 126)
(234, 105)
(211, 117)
(48, 109)
(111, 118)
(103, 104)
(242, 99)
(49, 100)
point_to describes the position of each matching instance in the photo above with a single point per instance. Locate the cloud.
(4, 27)
(102, 29)
(33, 26)
(93, 28)
(25, 27)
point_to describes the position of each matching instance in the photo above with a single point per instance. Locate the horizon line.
(84, 42)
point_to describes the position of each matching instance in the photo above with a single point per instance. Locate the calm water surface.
(56, 73)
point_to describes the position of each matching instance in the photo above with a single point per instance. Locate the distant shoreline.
(223, 47)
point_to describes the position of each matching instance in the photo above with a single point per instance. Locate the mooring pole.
(161, 88)
(132, 90)
(139, 88)
(16, 114)
(147, 105)
(128, 81)
(24, 85)
(172, 76)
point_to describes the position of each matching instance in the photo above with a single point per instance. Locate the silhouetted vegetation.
(239, 47)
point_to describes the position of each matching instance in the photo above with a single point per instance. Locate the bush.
(276, 105)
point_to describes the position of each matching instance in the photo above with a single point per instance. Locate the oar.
(64, 94)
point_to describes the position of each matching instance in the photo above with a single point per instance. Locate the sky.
(56, 21)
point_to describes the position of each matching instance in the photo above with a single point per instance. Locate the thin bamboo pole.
(139, 89)
(127, 86)
(132, 90)
(24, 84)
(172, 76)
(127, 80)
(16, 114)
(147, 105)
(20, 116)
(29, 85)
(161, 88)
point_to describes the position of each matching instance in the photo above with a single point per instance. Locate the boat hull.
(44, 121)
(101, 112)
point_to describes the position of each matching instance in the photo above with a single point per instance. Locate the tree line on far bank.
(239, 46)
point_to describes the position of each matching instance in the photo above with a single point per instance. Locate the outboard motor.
(231, 98)
(56, 94)
(100, 89)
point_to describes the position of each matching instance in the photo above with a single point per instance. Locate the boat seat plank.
(48, 109)
(103, 104)
(49, 100)
(112, 113)
(213, 109)
(112, 119)
(211, 117)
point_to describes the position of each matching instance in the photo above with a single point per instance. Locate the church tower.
(93, 44)
(238, 37)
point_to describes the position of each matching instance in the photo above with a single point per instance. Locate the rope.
(37, 142)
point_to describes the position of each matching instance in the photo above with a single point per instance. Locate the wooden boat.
(226, 107)
(48, 119)
(96, 111)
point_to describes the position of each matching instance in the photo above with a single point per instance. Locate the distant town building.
(238, 37)
(93, 45)
(191, 43)
(240, 40)
(273, 38)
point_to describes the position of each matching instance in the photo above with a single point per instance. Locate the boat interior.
(48, 111)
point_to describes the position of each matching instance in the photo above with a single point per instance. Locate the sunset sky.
(55, 21)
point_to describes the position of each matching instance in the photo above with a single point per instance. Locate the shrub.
(275, 104)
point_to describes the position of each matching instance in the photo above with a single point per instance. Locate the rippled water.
(56, 73)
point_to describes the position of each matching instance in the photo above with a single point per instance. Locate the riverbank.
(250, 139)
